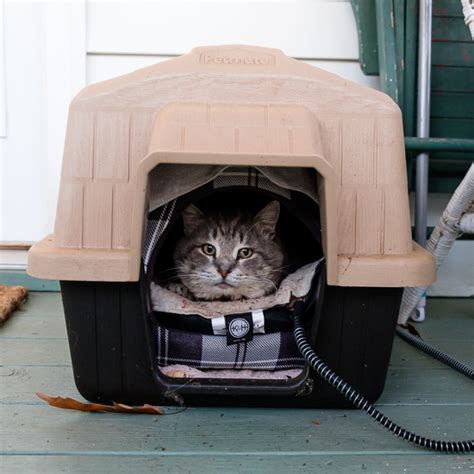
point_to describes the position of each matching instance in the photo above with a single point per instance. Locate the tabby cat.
(229, 256)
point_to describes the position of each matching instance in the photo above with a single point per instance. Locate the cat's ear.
(192, 219)
(266, 220)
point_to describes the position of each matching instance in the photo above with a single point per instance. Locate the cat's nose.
(224, 267)
(223, 272)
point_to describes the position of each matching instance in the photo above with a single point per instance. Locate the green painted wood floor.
(421, 394)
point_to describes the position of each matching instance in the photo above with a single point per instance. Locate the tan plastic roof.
(241, 106)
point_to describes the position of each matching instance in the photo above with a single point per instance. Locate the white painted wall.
(52, 49)
(44, 66)
(3, 104)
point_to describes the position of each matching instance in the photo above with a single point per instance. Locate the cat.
(229, 256)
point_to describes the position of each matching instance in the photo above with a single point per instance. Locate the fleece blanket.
(297, 284)
(186, 372)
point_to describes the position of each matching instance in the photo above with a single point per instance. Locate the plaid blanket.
(273, 351)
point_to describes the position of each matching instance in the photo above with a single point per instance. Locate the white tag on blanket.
(258, 320)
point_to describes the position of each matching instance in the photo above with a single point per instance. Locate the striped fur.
(226, 275)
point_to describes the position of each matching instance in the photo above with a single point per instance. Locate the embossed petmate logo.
(239, 328)
(242, 58)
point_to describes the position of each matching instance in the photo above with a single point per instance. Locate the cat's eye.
(245, 252)
(208, 250)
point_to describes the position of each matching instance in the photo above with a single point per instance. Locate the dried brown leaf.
(71, 404)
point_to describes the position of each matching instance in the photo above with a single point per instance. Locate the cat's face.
(230, 257)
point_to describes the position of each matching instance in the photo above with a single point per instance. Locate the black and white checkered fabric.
(274, 351)
(271, 351)
(241, 176)
(155, 229)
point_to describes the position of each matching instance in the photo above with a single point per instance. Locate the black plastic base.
(109, 340)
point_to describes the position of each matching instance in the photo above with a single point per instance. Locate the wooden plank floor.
(421, 394)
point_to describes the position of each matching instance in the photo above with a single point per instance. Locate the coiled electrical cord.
(360, 401)
(435, 353)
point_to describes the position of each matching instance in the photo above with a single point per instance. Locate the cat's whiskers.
(268, 280)
(199, 276)
(170, 279)
(167, 270)
(272, 270)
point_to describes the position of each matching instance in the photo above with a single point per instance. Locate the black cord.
(435, 353)
(360, 401)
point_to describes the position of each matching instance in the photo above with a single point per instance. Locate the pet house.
(231, 125)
